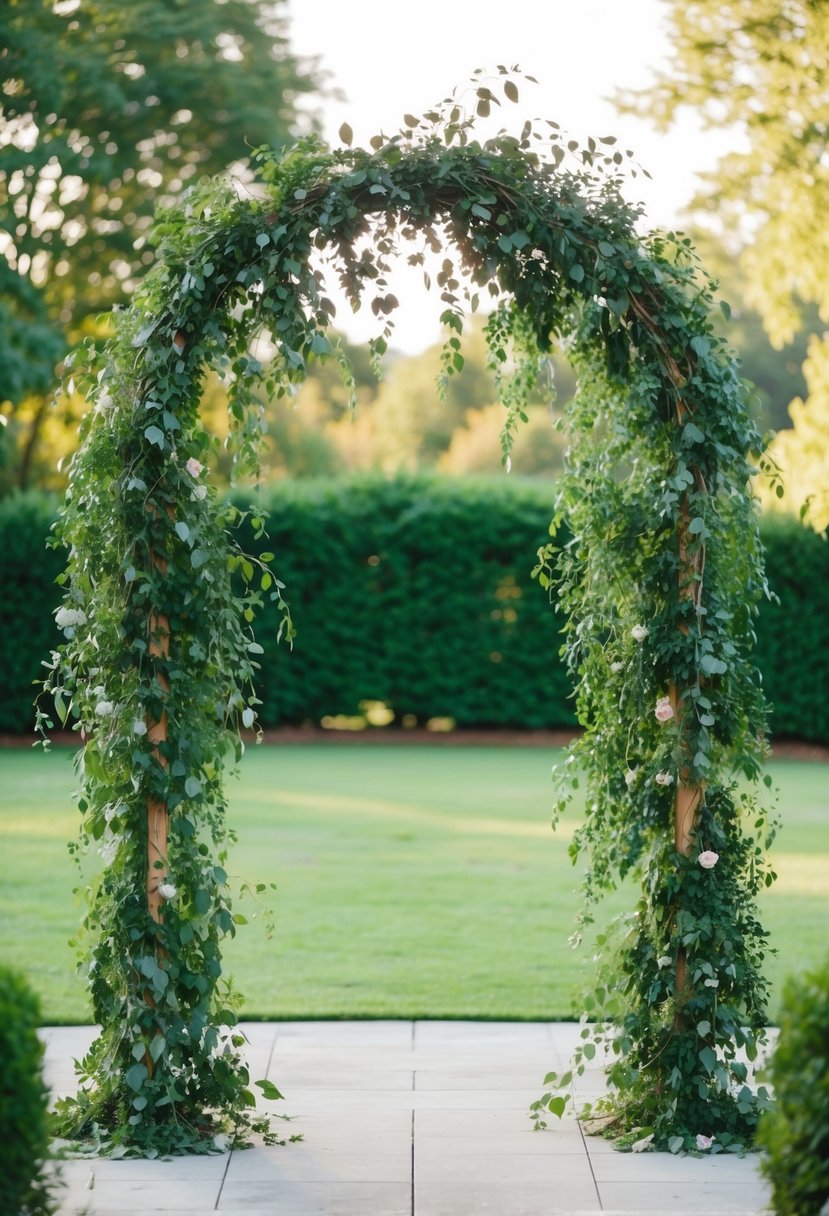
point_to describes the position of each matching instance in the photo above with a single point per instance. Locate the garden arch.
(658, 584)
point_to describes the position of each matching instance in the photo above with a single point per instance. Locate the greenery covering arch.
(659, 584)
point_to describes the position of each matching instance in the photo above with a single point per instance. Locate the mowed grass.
(413, 881)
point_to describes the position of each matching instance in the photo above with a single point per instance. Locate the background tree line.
(107, 111)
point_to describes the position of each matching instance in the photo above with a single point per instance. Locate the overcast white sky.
(388, 58)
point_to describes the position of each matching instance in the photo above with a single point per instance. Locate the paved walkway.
(407, 1119)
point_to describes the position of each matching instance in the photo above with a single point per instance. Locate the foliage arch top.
(658, 581)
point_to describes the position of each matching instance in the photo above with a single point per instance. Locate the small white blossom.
(139, 727)
(664, 961)
(103, 709)
(68, 618)
(704, 1142)
(712, 983)
(664, 778)
(639, 632)
(166, 890)
(630, 776)
(616, 668)
(199, 493)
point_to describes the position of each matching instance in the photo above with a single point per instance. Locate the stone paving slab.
(407, 1119)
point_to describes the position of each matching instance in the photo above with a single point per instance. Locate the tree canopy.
(106, 111)
(761, 67)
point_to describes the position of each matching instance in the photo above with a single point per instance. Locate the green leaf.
(676, 1144)
(708, 1058)
(182, 530)
(692, 434)
(269, 1091)
(556, 1106)
(154, 434)
(511, 90)
(577, 273)
(192, 787)
(712, 666)
(136, 1076)
(346, 134)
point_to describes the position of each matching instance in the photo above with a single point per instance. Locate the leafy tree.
(761, 67)
(107, 110)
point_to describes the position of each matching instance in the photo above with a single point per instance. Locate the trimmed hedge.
(24, 1101)
(416, 592)
(795, 1133)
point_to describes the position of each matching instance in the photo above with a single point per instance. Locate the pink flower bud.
(194, 467)
(708, 859)
(664, 710)
(704, 1142)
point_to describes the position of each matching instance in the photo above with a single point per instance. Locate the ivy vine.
(658, 585)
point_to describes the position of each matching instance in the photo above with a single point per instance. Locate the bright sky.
(388, 58)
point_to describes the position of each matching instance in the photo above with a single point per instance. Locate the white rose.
(166, 890)
(639, 632)
(664, 778)
(616, 668)
(664, 961)
(630, 776)
(103, 709)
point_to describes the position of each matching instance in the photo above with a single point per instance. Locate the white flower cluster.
(68, 618)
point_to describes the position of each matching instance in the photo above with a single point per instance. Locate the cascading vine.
(658, 584)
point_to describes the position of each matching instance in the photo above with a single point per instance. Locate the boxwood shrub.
(24, 1120)
(795, 1133)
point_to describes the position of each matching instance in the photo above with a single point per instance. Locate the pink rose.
(664, 710)
(194, 467)
(708, 859)
(704, 1142)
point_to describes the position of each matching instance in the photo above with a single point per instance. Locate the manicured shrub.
(24, 1123)
(793, 630)
(416, 591)
(795, 1133)
(28, 570)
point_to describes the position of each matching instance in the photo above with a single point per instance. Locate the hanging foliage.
(660, 581)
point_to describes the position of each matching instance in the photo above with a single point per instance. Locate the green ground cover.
(413, 881)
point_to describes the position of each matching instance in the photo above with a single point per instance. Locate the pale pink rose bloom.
(704, 1142)
(664, 778)
(708, 859)
(194, 467)
(664, 710)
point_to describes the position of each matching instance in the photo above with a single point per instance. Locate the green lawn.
(414, 881)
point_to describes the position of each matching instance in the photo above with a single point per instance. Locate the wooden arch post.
(688, 798)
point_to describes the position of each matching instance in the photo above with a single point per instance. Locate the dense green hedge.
(24, 1100)
(795, 1133)
(417, 592)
